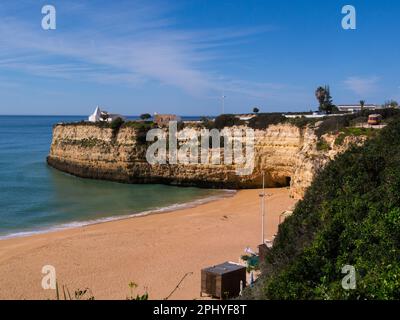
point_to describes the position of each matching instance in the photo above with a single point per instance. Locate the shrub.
(116, 123)
(322, 145)
(334, 123)
(226, 120)
(263, 120)
(301, 122)
(349, 215)
(368, 132)
(145, 116)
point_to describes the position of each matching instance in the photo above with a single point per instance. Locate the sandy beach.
(155, 251)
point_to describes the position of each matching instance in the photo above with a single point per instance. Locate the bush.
(301, 122)
(264, 120)
(356, 132)
(322, 145)
(116, 123)
(226, 120)
(349, 215)
(331, 124)
(145, 116)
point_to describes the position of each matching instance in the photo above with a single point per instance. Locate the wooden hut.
(223, 281)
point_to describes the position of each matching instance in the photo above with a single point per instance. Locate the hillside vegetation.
(350, 215)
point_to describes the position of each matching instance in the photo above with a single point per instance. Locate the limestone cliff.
(310, 160)
(287, 154)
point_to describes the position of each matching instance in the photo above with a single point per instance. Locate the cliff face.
(310, 160)
(287, 154)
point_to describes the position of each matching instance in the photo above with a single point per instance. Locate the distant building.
(96, 116)
(99, 115)
(357, 107)
(310, 115)
(163, 120)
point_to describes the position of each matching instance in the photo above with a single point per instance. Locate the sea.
(35, 198)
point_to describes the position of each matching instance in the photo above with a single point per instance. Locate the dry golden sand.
(155, 251)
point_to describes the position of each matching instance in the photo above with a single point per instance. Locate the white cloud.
(130, 45)
(362, 86)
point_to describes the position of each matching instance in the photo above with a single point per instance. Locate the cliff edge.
(289, 156)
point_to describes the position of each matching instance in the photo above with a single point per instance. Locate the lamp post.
(223, 102)
(262, 196)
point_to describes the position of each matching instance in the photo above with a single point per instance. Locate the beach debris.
(177, 286)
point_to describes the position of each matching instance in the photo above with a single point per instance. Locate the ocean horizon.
(36, 198)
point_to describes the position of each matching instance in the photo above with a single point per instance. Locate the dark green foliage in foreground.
(349, 216)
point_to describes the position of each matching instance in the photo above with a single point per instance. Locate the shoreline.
(154, 250)
(225, 193)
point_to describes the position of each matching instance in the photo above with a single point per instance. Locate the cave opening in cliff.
(287, 181)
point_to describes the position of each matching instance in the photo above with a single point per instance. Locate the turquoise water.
(36, 198)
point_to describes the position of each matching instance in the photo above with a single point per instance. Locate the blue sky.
(133, 57)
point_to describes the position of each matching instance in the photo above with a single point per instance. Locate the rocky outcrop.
(287, 154)
(310, 160)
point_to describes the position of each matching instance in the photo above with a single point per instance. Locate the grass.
(355, 132)
(322, 145)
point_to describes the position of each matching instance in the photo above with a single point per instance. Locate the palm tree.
(362, 104)
(320, 94)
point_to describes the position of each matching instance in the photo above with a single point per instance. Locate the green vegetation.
(356, 132)
(85, 143)
(140, 125)
(391, 104)
(350, 215)
(132, 286)
(338, 123)
(324, 98)
(362, 104)
(226, 120)
(302, 121)
(141, 129)
(252, 262)
(206, 123)
(116, 124)
(86, 294)
(145, 116)
(263, 120)
(322, 145)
